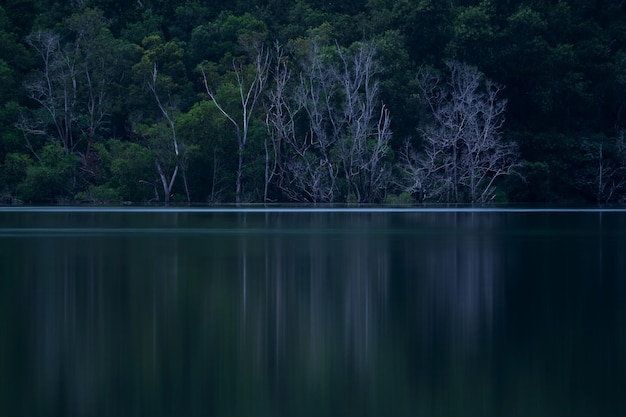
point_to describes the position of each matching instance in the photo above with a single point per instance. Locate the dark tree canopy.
(101, 100)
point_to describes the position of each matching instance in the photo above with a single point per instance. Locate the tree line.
(306, 101)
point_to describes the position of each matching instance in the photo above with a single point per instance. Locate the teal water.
(309, 313)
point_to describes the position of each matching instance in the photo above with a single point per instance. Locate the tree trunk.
(239, 175)
(167, 186)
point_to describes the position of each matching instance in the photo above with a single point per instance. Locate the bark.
(167, 181)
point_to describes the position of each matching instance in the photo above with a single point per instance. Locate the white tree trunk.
(250, 89)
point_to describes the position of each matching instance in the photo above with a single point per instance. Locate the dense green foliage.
(108, 101)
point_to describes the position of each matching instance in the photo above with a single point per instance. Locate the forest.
(312, 101)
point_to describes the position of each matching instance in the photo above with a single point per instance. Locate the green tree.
(74, 90)
(242, 88)
(398, 85)
(15, 61)
(12, 172)
(52, 178)
(148, 25)
(20, 15)
(226, 37)
(132, 171)
(162, 73)
(426, 26)
(211, 166)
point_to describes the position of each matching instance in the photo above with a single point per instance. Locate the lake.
(346, 312)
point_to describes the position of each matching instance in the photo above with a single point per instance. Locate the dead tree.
(73, 84)
(280, 113)
(365, 142)
(312, 172)
(342, 150)
(611, 169)
(55, 89)
(464, 151)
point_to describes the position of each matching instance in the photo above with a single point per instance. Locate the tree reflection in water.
(305, 314)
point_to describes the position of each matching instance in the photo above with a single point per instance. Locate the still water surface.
(316, 313)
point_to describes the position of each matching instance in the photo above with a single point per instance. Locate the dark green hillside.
(312, 101)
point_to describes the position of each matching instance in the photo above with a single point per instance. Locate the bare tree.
(280, 112)
(347, 133)
(250, 82)
(54, 89)
(313, 173)
(301, 156)
(463, 149)
(414, 172)
(611, 171)
(73, 85)
(366, 139)
(93, 53)
(167, 177)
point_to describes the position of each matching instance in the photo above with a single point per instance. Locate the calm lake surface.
(312, 313)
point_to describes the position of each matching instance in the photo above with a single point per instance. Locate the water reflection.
(312, 314)
(458, 274)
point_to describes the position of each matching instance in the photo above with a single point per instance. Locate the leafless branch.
(464, 151)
